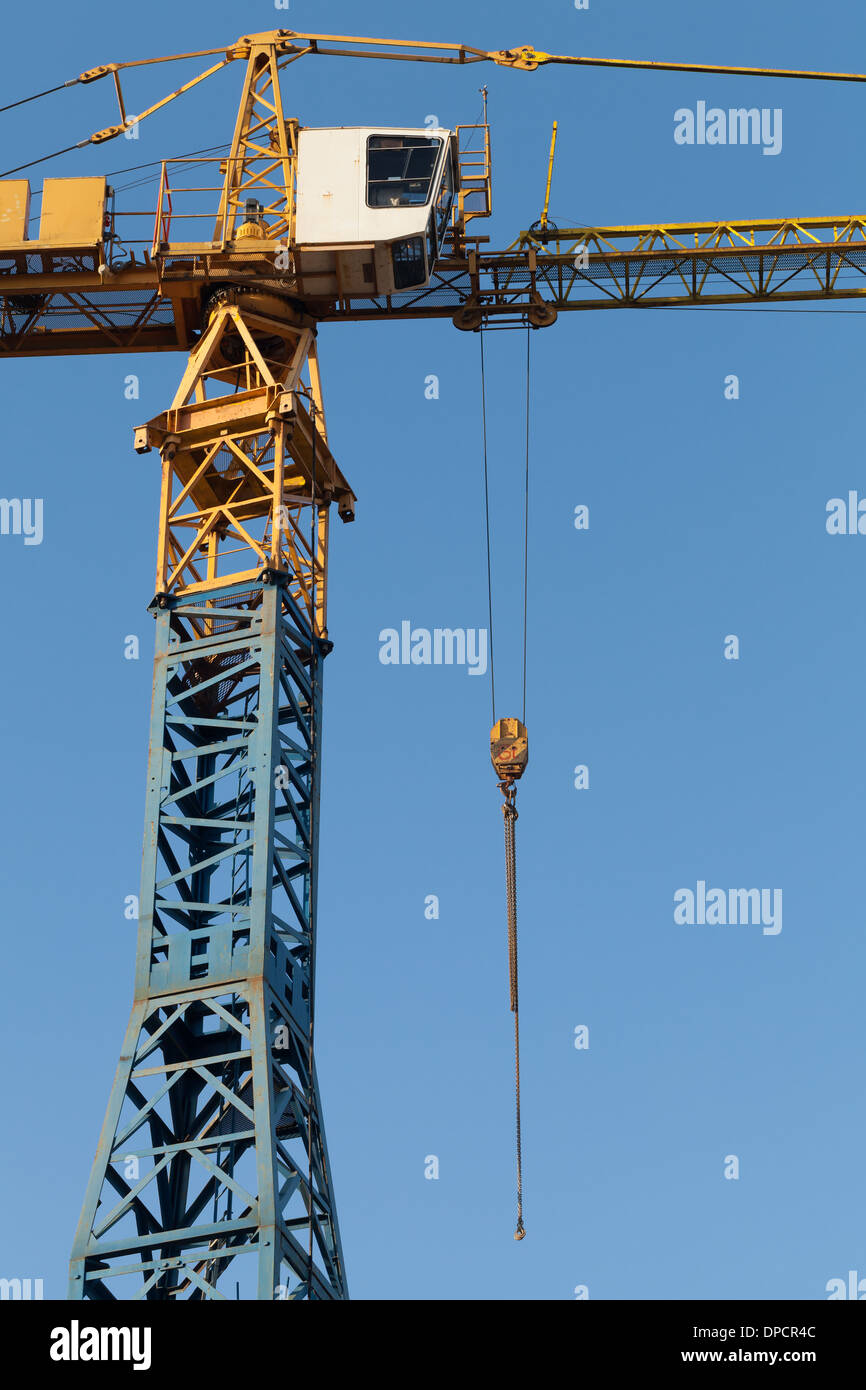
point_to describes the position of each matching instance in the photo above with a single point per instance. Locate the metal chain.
(509, 813)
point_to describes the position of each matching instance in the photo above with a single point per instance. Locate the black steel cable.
(487, 523)
(30, 163)
(148, 164)
(526, 525)
(82, 144)
(36, 95)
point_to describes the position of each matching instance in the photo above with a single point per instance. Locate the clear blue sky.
(707, 519)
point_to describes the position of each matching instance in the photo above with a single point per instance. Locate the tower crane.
(212, 1164)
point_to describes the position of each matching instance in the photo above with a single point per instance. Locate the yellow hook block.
(509, 748)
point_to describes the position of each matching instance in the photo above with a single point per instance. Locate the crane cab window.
(446, 197)
(400, 170)
(408, 260)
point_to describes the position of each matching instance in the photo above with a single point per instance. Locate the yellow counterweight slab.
(73, 211)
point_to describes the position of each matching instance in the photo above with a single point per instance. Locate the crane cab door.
(372, 208)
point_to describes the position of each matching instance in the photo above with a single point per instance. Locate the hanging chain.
(509, 814)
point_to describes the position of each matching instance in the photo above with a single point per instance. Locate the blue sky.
(707, 518)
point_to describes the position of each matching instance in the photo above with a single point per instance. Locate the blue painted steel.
(212, 1177)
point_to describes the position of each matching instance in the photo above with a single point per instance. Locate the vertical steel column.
(212, 1175)
(212, 1178)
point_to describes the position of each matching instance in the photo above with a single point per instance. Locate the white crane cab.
(372, 208)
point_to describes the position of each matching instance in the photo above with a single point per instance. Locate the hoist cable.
(36, 95)
(487, 524)
(510, 813)
(508, 769)
(526, 525)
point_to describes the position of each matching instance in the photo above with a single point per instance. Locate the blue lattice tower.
(212, 1177)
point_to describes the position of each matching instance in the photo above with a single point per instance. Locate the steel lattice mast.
(212, 1171)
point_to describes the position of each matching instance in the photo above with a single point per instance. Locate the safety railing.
(187, 203)
(474, 172)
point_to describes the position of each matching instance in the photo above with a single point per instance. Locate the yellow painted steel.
(528, 59)
(287, 45)
(543, 272)
(73, 211)
(549, 177)
(754, 233)
(242, 472)
(14, 210)
(768, 260)
(295, 44)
